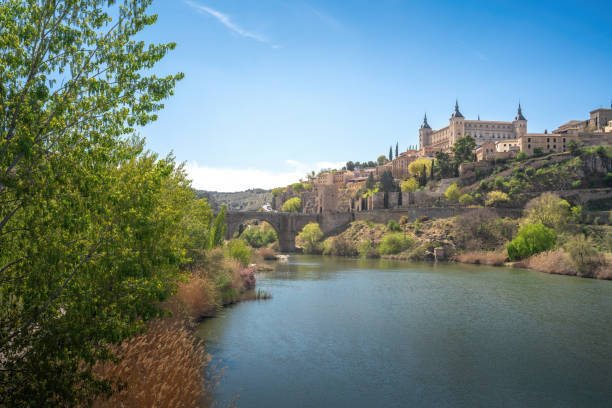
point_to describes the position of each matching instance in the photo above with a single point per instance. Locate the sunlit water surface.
(369, 333)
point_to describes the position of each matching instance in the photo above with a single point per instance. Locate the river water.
(375, 333)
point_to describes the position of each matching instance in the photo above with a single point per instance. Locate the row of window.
(547, 139)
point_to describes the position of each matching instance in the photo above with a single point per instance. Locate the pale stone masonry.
(481, 130)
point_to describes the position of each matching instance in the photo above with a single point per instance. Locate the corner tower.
(457, 125)
(520, 123)
(424, 134)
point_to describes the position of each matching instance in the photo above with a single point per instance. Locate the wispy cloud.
(227, 22)
(230, 180)
(325, 18)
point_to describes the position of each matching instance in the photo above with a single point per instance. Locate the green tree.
(548, 209)
(370, 182)
(297, 187)
(453, 192)
(219, 228)
(522, 156)
(496, 197)
(90, 227)
(350, 165)
(419, 169)
(387, 183)
(463, 150)
(466, 199)
(382, 159)
(446, 167)
(410, 185)
(396, 150)
(390, 153)
(531, 239)
(293, 204)
(573, 147)
(394, 244)
(310, 236)
(237, 249)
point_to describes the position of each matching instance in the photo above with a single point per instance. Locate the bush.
(292, 205)
(452, 192)
(308, 239)
(393, 226)
(496, 197)
(466, 199)
(522, 156)
(297, 187)
(340, 246)
(410, 185)
(238, 249)
(259, 236)
(394, 243)
(531, 239)
(582, 254)
(548, 209)
(276, 192)
(367, 250)
(268, 254)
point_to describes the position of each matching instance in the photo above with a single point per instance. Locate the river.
(374, 333)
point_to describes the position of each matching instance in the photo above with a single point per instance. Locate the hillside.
(249, 200)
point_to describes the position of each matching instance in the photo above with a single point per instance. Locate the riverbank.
(179, 370)
(479, 237)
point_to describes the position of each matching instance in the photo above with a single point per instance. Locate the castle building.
(481, 130)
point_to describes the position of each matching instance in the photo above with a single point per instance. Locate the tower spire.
(519, 114)
(425, 125)
(457, 114)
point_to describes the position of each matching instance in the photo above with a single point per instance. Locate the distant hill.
(249, 200)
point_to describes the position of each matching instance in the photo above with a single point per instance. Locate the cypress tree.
(390, 153)
(396, 149)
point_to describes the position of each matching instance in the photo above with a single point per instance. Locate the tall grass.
(163, 367)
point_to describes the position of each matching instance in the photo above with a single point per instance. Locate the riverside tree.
(91, 234)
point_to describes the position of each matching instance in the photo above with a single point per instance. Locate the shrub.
(268, 254)
(452, 192)
(393, 226)
(498, 182)
(522, 156)
(394, 243)
(410, 185)
(238, 249)
(548, 209)
(582, 254)
(292, 205)
(308, 239)
(576, 184)
(555, 261)
(199, 296)
(340, 246)
(297, 187)
(531, 239)
(466, 199)
(367, 250)
(259, 236)
(496, 197)
(277, 191)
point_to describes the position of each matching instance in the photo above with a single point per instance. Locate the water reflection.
(362, 333)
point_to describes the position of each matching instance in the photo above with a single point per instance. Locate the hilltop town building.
(481, 130)
(598, 122)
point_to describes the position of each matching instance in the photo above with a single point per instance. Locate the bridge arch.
(287, 225)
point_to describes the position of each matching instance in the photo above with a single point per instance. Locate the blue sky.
(276, 88)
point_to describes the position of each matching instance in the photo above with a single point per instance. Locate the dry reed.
(163, 367)
(555, 262)
(482, 258)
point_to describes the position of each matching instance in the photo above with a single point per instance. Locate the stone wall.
(383, 216)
